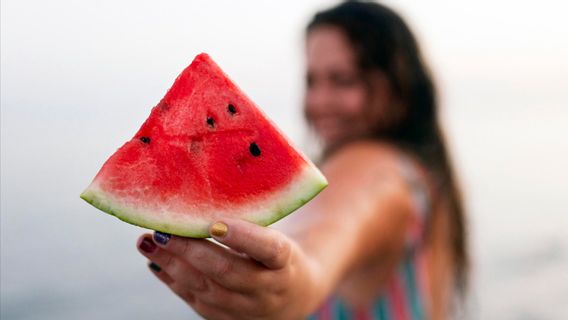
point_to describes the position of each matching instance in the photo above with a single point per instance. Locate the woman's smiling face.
(336, 95)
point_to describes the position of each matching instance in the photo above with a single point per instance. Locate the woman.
(386, 239)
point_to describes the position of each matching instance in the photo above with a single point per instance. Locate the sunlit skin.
(347, 240)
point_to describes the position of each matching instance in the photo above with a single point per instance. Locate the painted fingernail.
(219, 229)
(154, 267)
(147, 245)
(162, 238)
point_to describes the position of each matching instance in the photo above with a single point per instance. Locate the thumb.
(262, 244)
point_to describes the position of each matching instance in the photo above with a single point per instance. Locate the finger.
(182, 273)
(161, 274)
(210, 312)
(212, 294)
(189, 283)
(183, 293)
(223, 266)
(216, 298)
(225, 299)
(241, 305)
(264, 245)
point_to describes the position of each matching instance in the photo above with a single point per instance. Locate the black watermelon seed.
(146, 140)
(210, 122)
(254, 149)
(232, 109)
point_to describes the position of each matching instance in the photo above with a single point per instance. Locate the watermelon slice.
(205, 152)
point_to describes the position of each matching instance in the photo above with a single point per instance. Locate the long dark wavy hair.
(383, 42)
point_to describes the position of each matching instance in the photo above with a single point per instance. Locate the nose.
(319, 100)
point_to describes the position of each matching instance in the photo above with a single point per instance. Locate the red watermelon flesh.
(205, 152)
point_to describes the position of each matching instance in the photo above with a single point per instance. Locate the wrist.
(313, 286)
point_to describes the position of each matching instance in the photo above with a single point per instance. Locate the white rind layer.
(306, 185)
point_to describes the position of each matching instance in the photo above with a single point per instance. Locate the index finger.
(265, 245)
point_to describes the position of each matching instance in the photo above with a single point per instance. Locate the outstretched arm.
(264, 273)
(363, 215)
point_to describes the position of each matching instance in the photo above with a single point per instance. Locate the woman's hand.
(261, 275)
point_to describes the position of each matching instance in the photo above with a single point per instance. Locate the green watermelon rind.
(301, 190)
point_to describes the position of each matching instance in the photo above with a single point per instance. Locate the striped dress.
(406, 294)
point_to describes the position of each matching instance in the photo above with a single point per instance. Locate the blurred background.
(78, 78)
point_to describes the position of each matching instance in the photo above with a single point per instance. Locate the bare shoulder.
(363, 156)
(367, 168)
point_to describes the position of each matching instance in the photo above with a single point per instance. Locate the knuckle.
(219, 297)
(184, 248)
(274, 282)
(187, 282)
(179, 289)
(198, 254)
(192, 281)
(169, 263)
(268, 280)
(201, 284)
(264, 278)
(188, 297)
(223, 269)
(268, 305)
(203, 309)
(198, 286)
(281, 252)
(209, 311)
(281, 286)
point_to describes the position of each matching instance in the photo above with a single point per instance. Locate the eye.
(344, 79)
(145, 140)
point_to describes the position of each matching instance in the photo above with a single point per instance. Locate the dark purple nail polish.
(147, 245)
(154, 267)
(161, 238)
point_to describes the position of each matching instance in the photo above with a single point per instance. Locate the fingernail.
(219, 229)
(154, 267)
(162, 238)
(147, 245)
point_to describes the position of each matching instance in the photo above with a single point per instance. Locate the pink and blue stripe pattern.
(406, 294)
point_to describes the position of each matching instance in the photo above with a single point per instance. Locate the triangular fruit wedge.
(206, 151)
